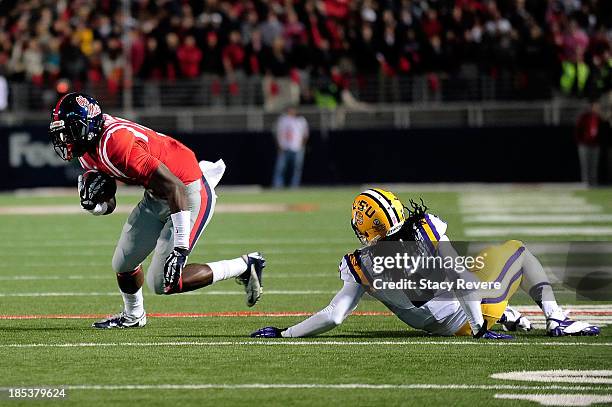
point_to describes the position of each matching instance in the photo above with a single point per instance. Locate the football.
(103, 186)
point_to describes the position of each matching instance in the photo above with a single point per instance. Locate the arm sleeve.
(339, 308)
(469, 301)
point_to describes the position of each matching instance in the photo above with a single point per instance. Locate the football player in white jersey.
(379, 216)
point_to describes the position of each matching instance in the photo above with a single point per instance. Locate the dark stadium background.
(394, 91)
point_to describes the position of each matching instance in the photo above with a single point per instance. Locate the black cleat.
(121, 320)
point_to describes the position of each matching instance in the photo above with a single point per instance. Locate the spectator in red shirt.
(189, 56)
(587, 138)
(233, 54)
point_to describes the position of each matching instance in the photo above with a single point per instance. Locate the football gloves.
(496, 335)
(268, 332)
(92, 189)
(512, 320)
(173, 270)
(485, 333)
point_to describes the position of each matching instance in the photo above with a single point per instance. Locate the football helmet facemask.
(376, 214)
(76, 125)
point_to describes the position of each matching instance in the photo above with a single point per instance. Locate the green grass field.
(59, 265)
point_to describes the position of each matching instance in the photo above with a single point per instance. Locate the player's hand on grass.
(268, 332)
(173, 270)
(496, 335)
(485, 333)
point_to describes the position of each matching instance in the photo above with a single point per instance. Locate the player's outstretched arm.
(167, 185)
(340, 307)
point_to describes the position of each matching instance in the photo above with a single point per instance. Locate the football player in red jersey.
(178, 203)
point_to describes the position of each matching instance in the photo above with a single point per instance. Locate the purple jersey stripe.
(433, 229)
(509, 263)
(503, 296)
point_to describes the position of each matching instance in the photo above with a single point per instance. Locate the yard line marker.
(294, 342)
(541, 201)
(603, 314)
(538, 218)
(221, 242)
(255, 207)
(559, 399)
(105, 294)
(505, 208)
(558, 376)
(109, 276)
(591, 231)
(224, 314)
(45, 277)
(339, 386)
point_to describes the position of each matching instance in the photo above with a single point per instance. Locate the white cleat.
(252, 277)
(567, 327)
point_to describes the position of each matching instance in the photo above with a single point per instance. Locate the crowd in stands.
(563, 44)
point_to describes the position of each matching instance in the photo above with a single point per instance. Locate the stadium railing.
(211, 103)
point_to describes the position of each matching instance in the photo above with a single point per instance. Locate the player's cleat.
(252, 277)
(512, 320)
(567, 327)
(121, 320)
(268, 332)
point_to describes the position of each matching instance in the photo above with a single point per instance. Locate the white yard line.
(566, 218)
(560, 399)
(71, 209)
(212, 292)
(282, 342)
(71, 243)
(590, 231)
(504, 208)
(331, 386)
(109, 276)
(559, 376)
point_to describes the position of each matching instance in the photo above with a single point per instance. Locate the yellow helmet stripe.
(386, 205)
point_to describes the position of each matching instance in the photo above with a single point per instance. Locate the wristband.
(181, 221)
(483, 330)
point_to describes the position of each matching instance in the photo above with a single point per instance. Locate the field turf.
(56, 267)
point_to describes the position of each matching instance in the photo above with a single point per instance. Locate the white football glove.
(512, 320)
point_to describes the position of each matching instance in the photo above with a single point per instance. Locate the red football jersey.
(131, 153)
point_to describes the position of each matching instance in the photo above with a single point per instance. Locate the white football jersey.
(440, 315)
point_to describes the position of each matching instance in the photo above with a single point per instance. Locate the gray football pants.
(149, 229)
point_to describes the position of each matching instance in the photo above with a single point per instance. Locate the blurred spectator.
(33, 61)
(524, 44)
(212, 61)
(189, 57)
(291, 137)
(113, 63)
(3, 93)
(271, 29)
(234, 54)
(588, 140)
